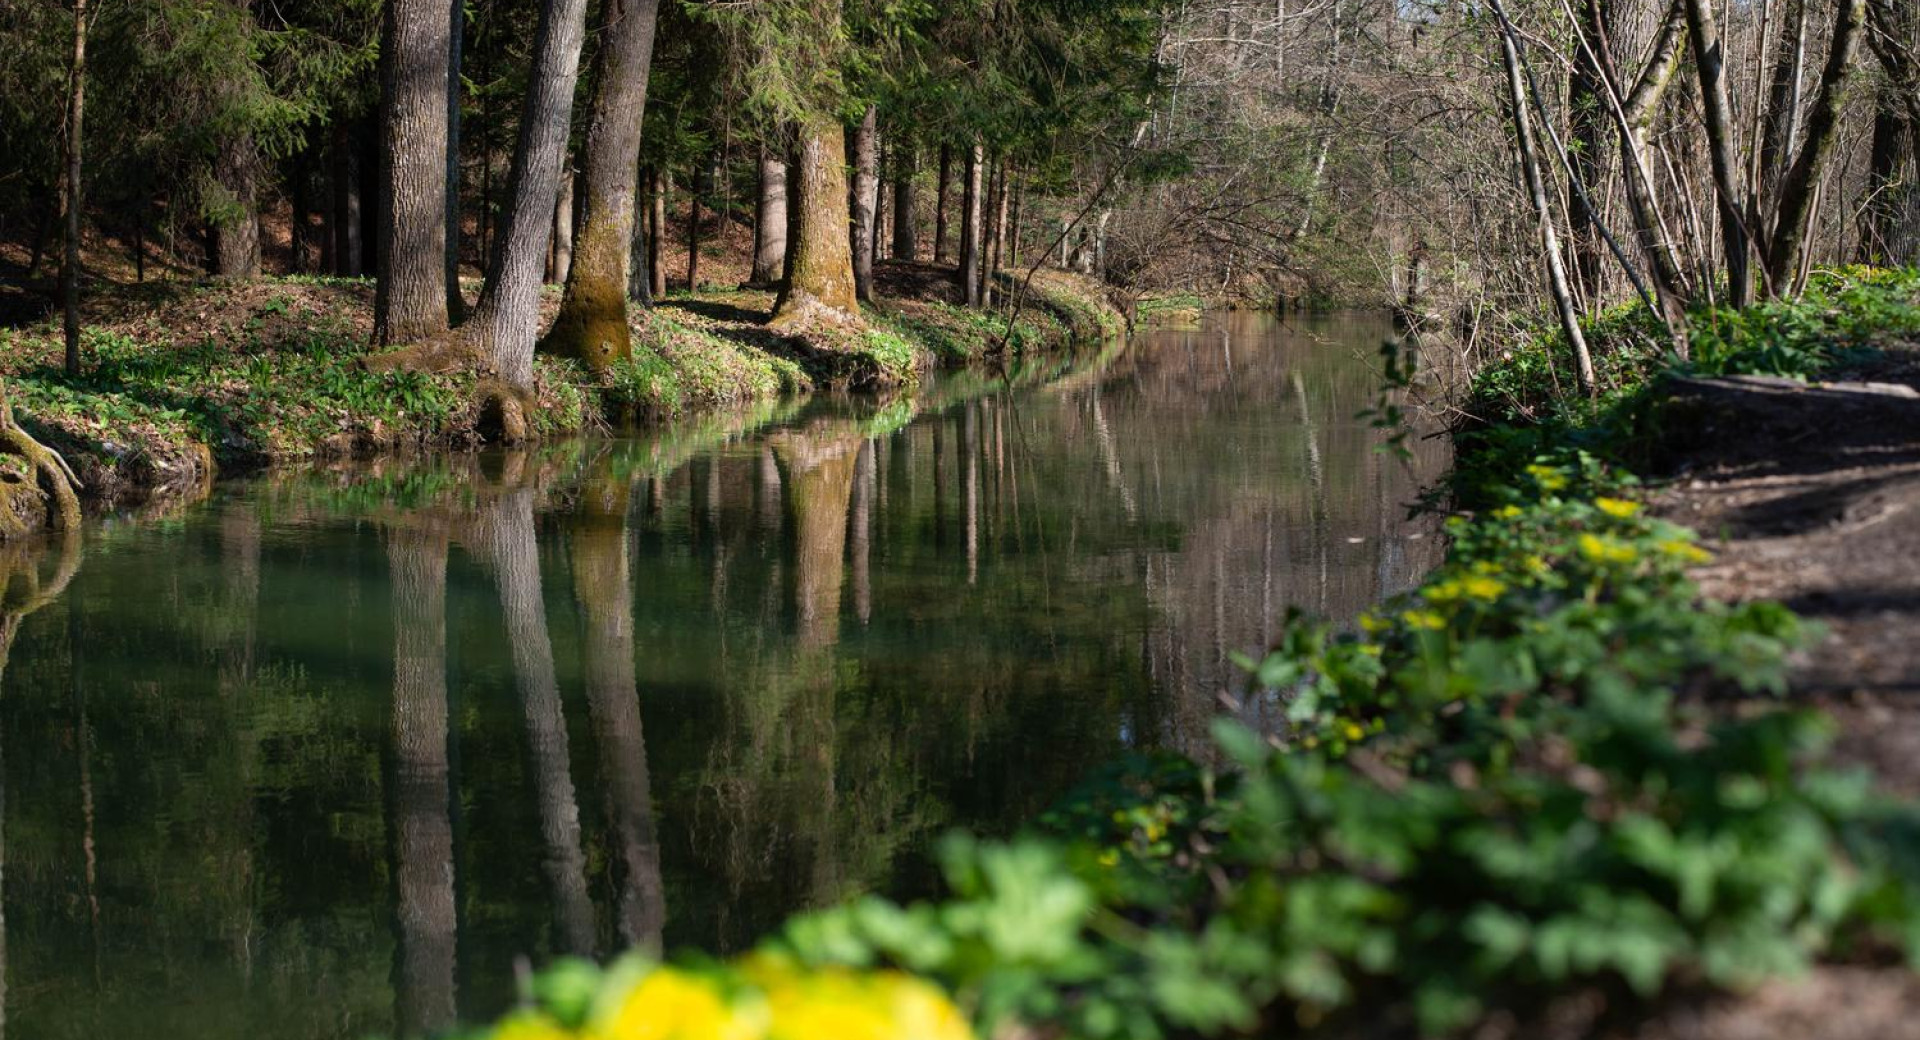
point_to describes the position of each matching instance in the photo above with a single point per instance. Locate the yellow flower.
(1507, 513)
(1353, 733)
(1370, 649)
(529, 1025)
(1442, 592)
(1618, 508)
(837, 1004)
(1110, 858)
(1425, 620)
(1549, 478)
(1373, 622)
(1482, 588)
(1537, 564)
(1600, 549)
(1684, 551)
(671, 1004)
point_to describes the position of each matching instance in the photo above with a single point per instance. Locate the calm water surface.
(324, 755)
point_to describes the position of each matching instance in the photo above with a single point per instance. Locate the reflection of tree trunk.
(970, 486)
(819, 472)
(422, 823)
(862, 538)
(602, 584)
(769, 493)
(508, 543)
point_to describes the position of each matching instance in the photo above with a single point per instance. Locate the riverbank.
(184, 381)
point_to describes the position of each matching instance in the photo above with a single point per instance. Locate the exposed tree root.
(51, 471)
(448, 352)
(503, 411)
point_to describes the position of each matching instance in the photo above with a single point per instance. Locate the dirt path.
(1811, 496)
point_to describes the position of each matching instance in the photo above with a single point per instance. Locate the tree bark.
(698, 185)
(906, 237)
(770, 220)
(560, 248)
(506, 320)
(657, 235)
(819, 255)
(456, 34)
(1710, 62)
(236, 224)
(940, 205)
(866, 188)
(1543, 212)
(410, 294)
(421, 792)
(346, 204)
(592, 324)
(1797, 189)
(971, 212)
(1587, 122)
(1780, 123)
(70, 264)
(1880, 236)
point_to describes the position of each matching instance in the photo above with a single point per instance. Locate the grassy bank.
(182, 381)
(1554, 791)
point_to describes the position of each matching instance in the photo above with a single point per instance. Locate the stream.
(328, 752)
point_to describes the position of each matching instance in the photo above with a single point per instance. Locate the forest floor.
(185, 379)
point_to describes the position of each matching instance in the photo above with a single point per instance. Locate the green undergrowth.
(1524, 405)
(1553, 772)
(677, 369)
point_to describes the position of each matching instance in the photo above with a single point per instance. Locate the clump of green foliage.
(676, 369)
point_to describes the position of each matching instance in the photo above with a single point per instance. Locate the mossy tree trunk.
(410, 294)
(592, 323)
(819, 254)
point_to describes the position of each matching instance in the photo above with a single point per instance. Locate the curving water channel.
(324, 755)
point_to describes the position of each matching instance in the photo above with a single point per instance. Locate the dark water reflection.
(325, 755)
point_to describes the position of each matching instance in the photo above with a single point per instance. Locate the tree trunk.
(1880, 236)
(1543, 213)
(560, 248)
(1797, 189)
(990, 241)
(657, 235)
(70, 264)
(603, 586)
(639, 271)
(1587, 122)
(236, 222)
(906, 237)
(770, 220)
(866, 187)
(1780, 123)
(346, 205)
(698, 186)
(592, 324)
(971, 211)
(456, 34)
(940, 205)
(1710, 62)
(819, 255)
(506, 320)
(420, 791)
(410, 295)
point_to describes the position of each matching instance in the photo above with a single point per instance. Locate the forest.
(1122, 518)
